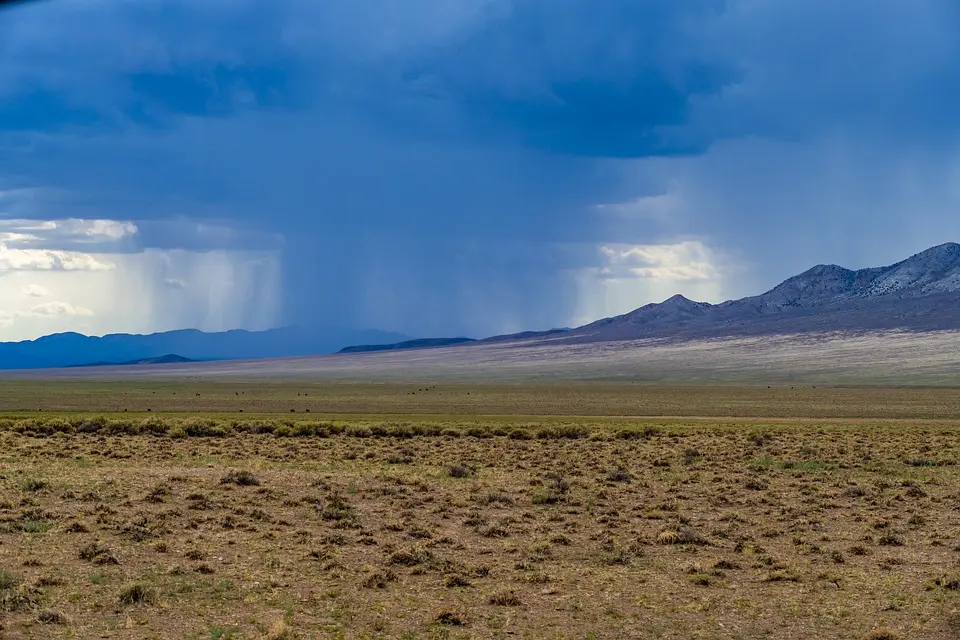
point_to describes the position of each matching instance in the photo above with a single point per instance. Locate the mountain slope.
(931, 272)
(921, 293)
(69, 349)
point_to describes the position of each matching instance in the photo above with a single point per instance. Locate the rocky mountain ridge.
(921, 293)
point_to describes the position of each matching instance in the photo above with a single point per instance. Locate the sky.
(458, 167)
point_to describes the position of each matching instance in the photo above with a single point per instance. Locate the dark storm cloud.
(435, 165)
(596, 79)
(618, 78)
(219, 90)
(44, 110)
(564, 75)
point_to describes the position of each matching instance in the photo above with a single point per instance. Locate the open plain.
(827, 357)
(146, 509)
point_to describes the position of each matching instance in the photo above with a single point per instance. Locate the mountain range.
(74, 349)
(921, 293)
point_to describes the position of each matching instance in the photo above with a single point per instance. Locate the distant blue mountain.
(71, 349)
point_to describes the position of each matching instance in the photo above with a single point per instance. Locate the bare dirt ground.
(305, 526)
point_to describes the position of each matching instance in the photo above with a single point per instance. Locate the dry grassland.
(298, 526)
(296, 399)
